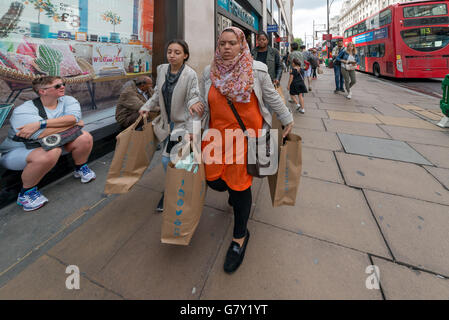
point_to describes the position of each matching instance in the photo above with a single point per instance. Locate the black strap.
(40, 107)
(237, 116)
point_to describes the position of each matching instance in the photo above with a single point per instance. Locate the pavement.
(373, 205)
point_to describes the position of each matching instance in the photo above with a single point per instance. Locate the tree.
(298, 41)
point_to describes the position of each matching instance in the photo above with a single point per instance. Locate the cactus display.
(49, 60)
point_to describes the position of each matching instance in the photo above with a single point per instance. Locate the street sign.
(327, 37)
(284, 39)
(272, 28)
(287, 44)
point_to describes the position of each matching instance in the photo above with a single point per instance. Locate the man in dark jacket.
(135, 94)
(270, 56)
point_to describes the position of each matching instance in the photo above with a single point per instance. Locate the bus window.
(426, 39)
(425, 10)
(385, 17)
(382, 49)
(374, 23)
(362, 27)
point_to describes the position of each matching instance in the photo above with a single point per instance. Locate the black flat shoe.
(160, 206)
(235, 255)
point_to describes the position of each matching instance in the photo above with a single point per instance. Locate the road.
(427, 86)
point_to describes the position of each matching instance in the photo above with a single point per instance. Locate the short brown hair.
(44, 81)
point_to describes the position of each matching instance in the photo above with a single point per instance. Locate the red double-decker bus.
(407, 40)
(333, 44)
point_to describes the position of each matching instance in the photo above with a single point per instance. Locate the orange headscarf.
(234, 79)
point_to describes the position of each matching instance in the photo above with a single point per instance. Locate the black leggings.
(241, 201)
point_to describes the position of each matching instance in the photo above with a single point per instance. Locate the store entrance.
(248, 35)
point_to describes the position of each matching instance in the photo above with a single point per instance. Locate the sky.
(306, 11)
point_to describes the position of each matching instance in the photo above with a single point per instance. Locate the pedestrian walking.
(307, 57)
(349, 59)
(235, 78)
(315, 63)
(270, 56)
(177, 97)
(296, 85)
(339, 80)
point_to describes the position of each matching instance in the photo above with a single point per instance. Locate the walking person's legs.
(353, 78)
(347, 82)
(337, 75)
(241, 201)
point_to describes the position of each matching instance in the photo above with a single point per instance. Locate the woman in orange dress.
(234, 76)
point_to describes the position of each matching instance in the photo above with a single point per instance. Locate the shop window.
(79, 40)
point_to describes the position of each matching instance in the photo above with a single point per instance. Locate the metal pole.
(328, 30)
(313, 35)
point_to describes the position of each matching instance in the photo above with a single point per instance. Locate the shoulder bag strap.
(237, 116)
(38, 104)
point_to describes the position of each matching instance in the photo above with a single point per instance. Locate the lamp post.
(328, 26)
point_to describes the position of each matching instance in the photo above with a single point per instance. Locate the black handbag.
(254, 169)
(52, 141)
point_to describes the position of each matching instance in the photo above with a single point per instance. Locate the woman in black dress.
(296, 85)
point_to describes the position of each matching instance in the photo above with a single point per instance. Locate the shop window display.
(88, 42)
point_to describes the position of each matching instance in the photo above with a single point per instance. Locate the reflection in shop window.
(80, 40)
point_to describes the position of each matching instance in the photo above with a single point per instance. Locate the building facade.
(353, 11)
(120, 39)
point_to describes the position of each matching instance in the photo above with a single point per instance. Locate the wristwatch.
(43, 124)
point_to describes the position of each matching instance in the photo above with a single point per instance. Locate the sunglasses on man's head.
(58, 86)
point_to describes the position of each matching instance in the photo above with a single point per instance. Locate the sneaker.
(301, 110)
(290, 100)
(31, 200)
(160, 206)
(235, 255)
(349, 96)
(85, 174)
(298, 106)
(341, 90)
(310, 89)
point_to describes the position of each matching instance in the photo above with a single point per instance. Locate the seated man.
(63, 112)
(135, 94)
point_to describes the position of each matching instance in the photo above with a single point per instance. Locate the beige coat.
(185, 95)
(269, 99)
(128, 105)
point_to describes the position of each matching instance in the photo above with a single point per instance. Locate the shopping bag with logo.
(133, 153)
(185, 192)
(284, 185)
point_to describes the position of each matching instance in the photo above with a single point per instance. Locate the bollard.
(444, 103)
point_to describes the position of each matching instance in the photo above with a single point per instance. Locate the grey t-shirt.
(28, 113)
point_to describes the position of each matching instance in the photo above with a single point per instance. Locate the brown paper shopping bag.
(184, 197)
(284, 185)
(133, 153)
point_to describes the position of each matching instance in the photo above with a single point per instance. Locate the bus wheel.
(376, 70)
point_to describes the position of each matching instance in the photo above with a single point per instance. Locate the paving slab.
(430, 137)
(409, 107)
(353, 117)
(283, 265)
(430, 115)
(393, 111)
(318, 139)
(344, 218)
(320, 164)
(45, 279)
(392, 177)
(24, 231)
(381, 148)
(368, 110)
(440, 174)
(309, 123)
(315, 114)
(338, 107)
(409, 123)
(144, 268)
(402, 283)
(439, 156)
(93, 244)
(415, 230)
(361, 129)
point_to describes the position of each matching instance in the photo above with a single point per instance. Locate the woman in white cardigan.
(177, 97)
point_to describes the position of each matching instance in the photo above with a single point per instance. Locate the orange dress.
(229, 166)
